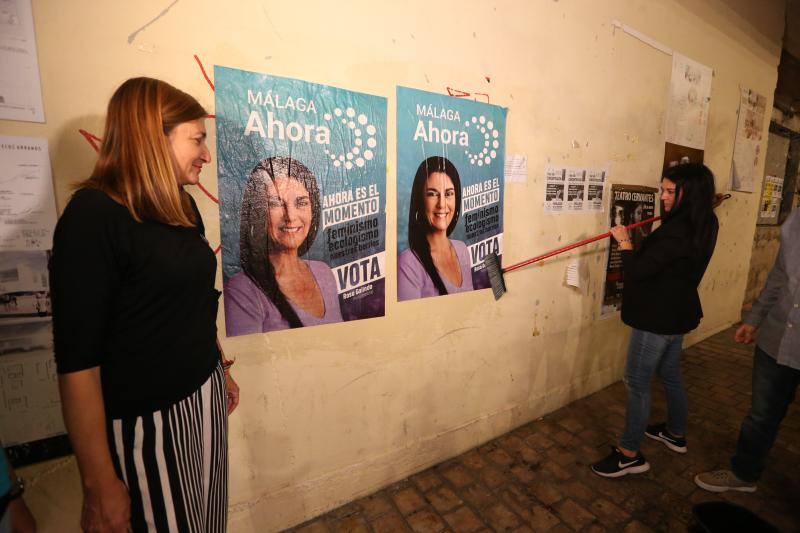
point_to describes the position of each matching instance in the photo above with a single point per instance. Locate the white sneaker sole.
(625, 471)
(718, 488)
(668, 444)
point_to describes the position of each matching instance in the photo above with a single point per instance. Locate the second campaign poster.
(302, 186)
(629, 204)
(450, 157)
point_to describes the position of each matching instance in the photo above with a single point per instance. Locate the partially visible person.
(277, 289)
(15, 517)
(434, 264)
(144, 389)
(660, 302)
(776, 367)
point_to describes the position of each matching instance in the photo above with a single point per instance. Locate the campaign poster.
(302, 189)
(576, 187)
(573, 190)
(450, 168)
(595, 185)
(629, 204)
(554, 189)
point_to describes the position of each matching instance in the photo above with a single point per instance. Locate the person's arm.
(776, 284)
(84, 277)
(231, 388)
(106, 503)
(653, 261)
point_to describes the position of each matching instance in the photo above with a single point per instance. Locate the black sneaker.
(617, 464)
(659, 432)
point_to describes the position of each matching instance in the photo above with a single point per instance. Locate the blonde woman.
(144, 391)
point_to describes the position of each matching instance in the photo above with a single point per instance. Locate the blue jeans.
(648, 354)
(774, 388)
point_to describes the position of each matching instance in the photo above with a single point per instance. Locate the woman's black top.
(660, 279)
(137, 300)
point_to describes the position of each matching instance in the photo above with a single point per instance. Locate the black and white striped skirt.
(175, 462)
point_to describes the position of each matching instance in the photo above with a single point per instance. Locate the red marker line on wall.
(458, 93)
(205, 191)
(203, 70)
(91, 139)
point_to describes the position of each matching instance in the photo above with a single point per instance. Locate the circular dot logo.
(363, 133)
(484, 129)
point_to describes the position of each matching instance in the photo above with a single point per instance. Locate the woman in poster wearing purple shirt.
(276, 289)
(434, 264)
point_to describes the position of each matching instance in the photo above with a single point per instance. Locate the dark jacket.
(661, 279)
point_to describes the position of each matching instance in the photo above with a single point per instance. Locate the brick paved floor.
(536, 478)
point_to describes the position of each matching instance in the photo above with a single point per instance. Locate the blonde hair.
(135, 165)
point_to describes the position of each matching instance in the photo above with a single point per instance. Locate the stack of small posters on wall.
(629, 204)
(302, 185)
(574, 190)
(747, 145)
(450, 167)
(687, 111)
(31, 427)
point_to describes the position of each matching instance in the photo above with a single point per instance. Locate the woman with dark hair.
(279, 222)
(144, 385)
(660, 302)
(434, 264)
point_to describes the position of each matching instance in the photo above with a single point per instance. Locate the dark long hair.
(694, 198)
(418, 227)
(254, 241)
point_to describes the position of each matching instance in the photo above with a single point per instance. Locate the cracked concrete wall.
(332, 413)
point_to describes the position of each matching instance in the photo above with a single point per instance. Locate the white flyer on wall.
(574, 190)
(595, 185)
(554, 189)
(689, 99)
(20, 84)
(27, 204)
(516, 168)
(747, 143)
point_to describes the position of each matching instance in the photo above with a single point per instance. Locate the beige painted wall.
(766, 243)
(338, 411)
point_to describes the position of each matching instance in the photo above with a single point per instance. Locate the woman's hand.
(620, 234)
(232, 392)
(106, 508)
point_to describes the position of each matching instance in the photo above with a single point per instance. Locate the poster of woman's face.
(302, 202)
(450, 191)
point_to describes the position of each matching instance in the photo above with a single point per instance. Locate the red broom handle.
(576, 245)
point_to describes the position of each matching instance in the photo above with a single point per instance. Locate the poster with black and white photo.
(595, 185)
(574, 190)
(554, 186)
(629, 204)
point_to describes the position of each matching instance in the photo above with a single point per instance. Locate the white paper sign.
(27, 204)
(689, 98)
(516, 168)
(20, 86)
